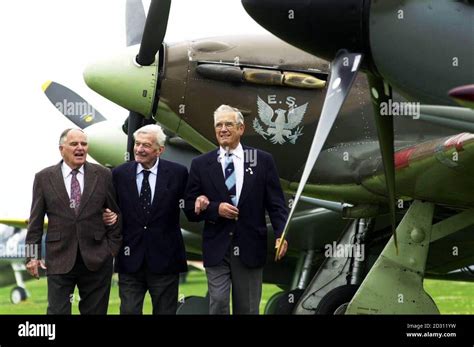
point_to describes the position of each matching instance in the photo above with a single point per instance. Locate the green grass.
(196, 285)
(451, 297)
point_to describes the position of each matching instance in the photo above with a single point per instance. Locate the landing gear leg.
(394, 285)
(19, 293)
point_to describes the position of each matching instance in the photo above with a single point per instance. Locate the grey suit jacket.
(66, 231)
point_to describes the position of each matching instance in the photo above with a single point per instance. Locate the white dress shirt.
(66, 171)
(151, 177)
(238, 158)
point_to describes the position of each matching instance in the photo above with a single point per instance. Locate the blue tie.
(230, 178)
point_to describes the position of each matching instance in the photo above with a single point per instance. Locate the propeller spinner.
(131, 80)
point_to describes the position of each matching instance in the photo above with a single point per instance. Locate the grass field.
(451, 297)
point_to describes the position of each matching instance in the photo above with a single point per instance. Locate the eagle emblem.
(280, 124)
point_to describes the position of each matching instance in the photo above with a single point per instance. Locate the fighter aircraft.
(281, 96)
(401, 45)
(12, 258)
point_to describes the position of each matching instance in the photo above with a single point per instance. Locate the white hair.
(63, 136)
(153, 129)
(239, 118)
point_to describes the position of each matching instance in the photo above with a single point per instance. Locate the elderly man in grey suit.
(79, 247)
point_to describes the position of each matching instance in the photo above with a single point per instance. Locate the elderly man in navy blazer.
(230, 189)
(150, 192)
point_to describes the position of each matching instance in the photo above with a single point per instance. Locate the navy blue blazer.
(261, 191)
(159, 238)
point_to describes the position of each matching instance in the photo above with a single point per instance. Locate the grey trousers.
(246, 286)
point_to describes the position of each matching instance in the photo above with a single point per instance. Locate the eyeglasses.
(228, 125)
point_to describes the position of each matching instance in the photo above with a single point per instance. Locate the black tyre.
(337, 300)
(283, 302)
(17, 295)
(194, 305)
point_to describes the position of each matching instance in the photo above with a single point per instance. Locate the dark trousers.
(163, 291)
(93, 286)
(246, 286)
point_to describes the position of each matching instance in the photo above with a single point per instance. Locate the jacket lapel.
(250, 174)
(90, 182)
(132, 188)
(161, 186)
(57, 182)
(217, 176)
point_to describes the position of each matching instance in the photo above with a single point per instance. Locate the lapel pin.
(249, 170)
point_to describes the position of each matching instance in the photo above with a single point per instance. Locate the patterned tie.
(230, 178)
(75, 191)
(145, 193)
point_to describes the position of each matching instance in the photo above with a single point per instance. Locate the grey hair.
(154, 129)
(229, 109)
(63, 136)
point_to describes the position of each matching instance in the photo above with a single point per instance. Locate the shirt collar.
(237, 151)
(153, 170)
(66, 169)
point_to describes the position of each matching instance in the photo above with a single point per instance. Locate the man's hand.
(283, 249)
(228, 211)
(33, 267)
(109, 217)
(201, 204)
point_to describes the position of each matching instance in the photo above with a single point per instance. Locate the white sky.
(54, 40)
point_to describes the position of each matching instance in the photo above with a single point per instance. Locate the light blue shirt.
(151, 177)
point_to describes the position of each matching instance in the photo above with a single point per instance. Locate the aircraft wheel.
(17, 295)
(194, 305)
(283, 302)
(337, 300)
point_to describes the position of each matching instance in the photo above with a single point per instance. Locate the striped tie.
(230, 178)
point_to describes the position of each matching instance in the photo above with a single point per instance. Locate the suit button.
(144, 227)
(231, 233)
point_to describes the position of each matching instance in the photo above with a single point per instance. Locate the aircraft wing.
(438, 170)
(19, 223)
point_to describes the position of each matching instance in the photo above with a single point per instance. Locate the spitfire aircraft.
(12, 255)
(423, 50)
(342, 258)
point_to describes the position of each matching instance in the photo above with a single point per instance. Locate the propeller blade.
(343, 72)
(72, 105)
(155, 30)
(381, 93)
(134, 21)
(135, 121)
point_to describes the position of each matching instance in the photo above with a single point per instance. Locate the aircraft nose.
(123, 82)
(321, 27)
